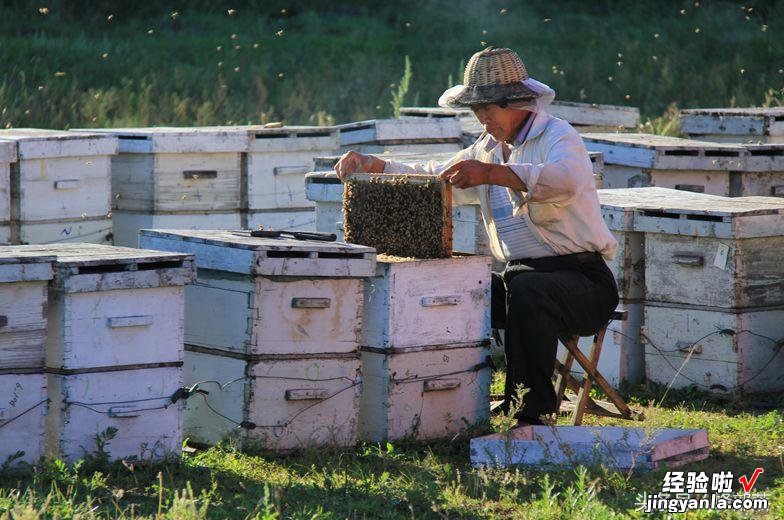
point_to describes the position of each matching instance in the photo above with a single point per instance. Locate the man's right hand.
(355, 162)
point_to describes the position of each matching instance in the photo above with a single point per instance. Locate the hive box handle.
(696, 188)
(440, 301)
(200, 174)
(436, 385)
(310, 303)
(129, 321)
(3, 321)
(70, 184)
(688, 259)
(291, 170)
(685, 347)
(306, 394)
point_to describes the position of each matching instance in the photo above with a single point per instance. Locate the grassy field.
(402, 480)
(97, 64)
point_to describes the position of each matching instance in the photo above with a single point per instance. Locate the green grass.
(193, 63)
(399, 480)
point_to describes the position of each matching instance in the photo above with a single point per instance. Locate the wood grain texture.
(23, 337)
(33, 143)
(127, 224)
(212, 139)
(20, 392)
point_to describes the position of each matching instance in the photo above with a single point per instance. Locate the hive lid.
(665, 153)
(238, 252)
(204, 139)
(35, 143)
(400, 131)
(22, 265)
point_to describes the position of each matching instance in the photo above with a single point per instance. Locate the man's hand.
(355, 162)
(467, 173)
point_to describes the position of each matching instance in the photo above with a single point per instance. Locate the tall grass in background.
(91, 64)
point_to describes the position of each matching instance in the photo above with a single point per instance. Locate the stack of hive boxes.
(734, 125)
(274, 181)
(7, 158)
(106, 336)
(185, 178)
(425, 352)
(71, 173)
(714, 297)
(273, 333)
(414, 136)
(23, 290)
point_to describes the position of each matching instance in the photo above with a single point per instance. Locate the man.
(532, 177)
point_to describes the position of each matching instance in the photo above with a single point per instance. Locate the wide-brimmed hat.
(491, 76)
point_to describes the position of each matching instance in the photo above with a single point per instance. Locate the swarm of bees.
(397, 217)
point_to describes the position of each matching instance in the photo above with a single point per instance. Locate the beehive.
(264, 310)
(401, 215)
(734, 125)
(71, 172)
(423, 393)
(7, 157)
(176, 177)
(379, 135)
(23, 287)
(641, 160)
(114, 349)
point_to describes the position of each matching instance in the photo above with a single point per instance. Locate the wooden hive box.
(713, 252)
(734, 125)
(271, 296)
(423, 392)
(71, 171)
(115, 336)
(167, 177)
(23, 286)
(640, 160)
(764, 172)
(613, 447)
(379, 135)
(415, 302)
(7, 157)
(720, 351)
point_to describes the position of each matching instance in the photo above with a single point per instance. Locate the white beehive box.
(617, 448)
(71, 172)
(716, 252)
(410, 303)
(734, 125)
(7, 157)
(640, 160)
(166, 177)
(271, 296)
(288, 220)
(731, 351)
(376, 136)
(764, 172)
(303, 402)
(22, 411)
(24, 278)
(138, 403)
(423, 393)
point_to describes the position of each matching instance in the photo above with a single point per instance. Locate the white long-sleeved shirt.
(560, 203)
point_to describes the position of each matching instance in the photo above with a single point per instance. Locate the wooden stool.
(591, 375)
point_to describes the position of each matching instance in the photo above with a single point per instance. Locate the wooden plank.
(740, 123)
(7, 152)
(127, 224)
(19, 432)
(312, 139)
(394, 404)
(196, 182)
(23, 330)
(204, 139)
(35, 143)
(618, 448)
(95, 230)
(379, 130)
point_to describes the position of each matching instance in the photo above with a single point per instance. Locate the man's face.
(501, 123)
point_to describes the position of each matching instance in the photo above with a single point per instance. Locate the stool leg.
(561, 381)
(585, 390)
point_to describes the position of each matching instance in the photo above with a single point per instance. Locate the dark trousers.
(539, 301)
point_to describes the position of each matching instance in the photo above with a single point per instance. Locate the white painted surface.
(628, 266)
(128, 224)
(5, 235)
(737, 124)
(224, 379)
(423, 394)
(303, 219)
(398, 315)
(618, 448)
(720, 361)
(23, 337)
(212, 139)
(114, 328)
(396, 130)
(25, 433)
(34, 143)
(5, 192)
(287, 424)
(146, 434)
(75, 230)
(379, 149)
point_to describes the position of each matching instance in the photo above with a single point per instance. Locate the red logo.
(748, 484)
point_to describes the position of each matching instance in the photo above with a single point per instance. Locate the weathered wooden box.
(290, 220)
(640, 160)
(22, 411)
(24, 278)
(379, 135)
(612, 447)
(622, 357)
(412, 303)
(127, 224)
(734, 125)
(764, 172)
(7, 158)
(423, 392)
(271, 296)
(718, 350)
(138, 403)
(713, 252)
(71, 172)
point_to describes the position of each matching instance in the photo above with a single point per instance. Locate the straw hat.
(491, 76)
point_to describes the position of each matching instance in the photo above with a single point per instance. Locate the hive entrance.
(400, 215)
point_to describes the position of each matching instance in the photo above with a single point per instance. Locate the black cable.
(12, 419)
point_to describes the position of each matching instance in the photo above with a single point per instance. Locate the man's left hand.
(466, 174)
